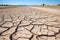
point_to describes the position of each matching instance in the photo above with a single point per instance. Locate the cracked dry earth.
(28, 24)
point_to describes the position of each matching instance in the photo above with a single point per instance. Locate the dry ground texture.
(53, 6)
(29, 23)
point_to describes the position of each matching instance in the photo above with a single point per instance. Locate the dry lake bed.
(29, 23)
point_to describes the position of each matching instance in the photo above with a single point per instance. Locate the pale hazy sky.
(29, 2)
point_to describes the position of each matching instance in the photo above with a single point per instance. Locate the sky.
(29, 2)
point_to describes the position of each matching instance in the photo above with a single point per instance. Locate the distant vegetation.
(43, 4)
(58, 4)
(5, 5)
(25, 5)
(11, 5)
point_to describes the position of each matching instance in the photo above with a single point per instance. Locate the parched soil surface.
(48, 9)
(51, 6)
(28, 23)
